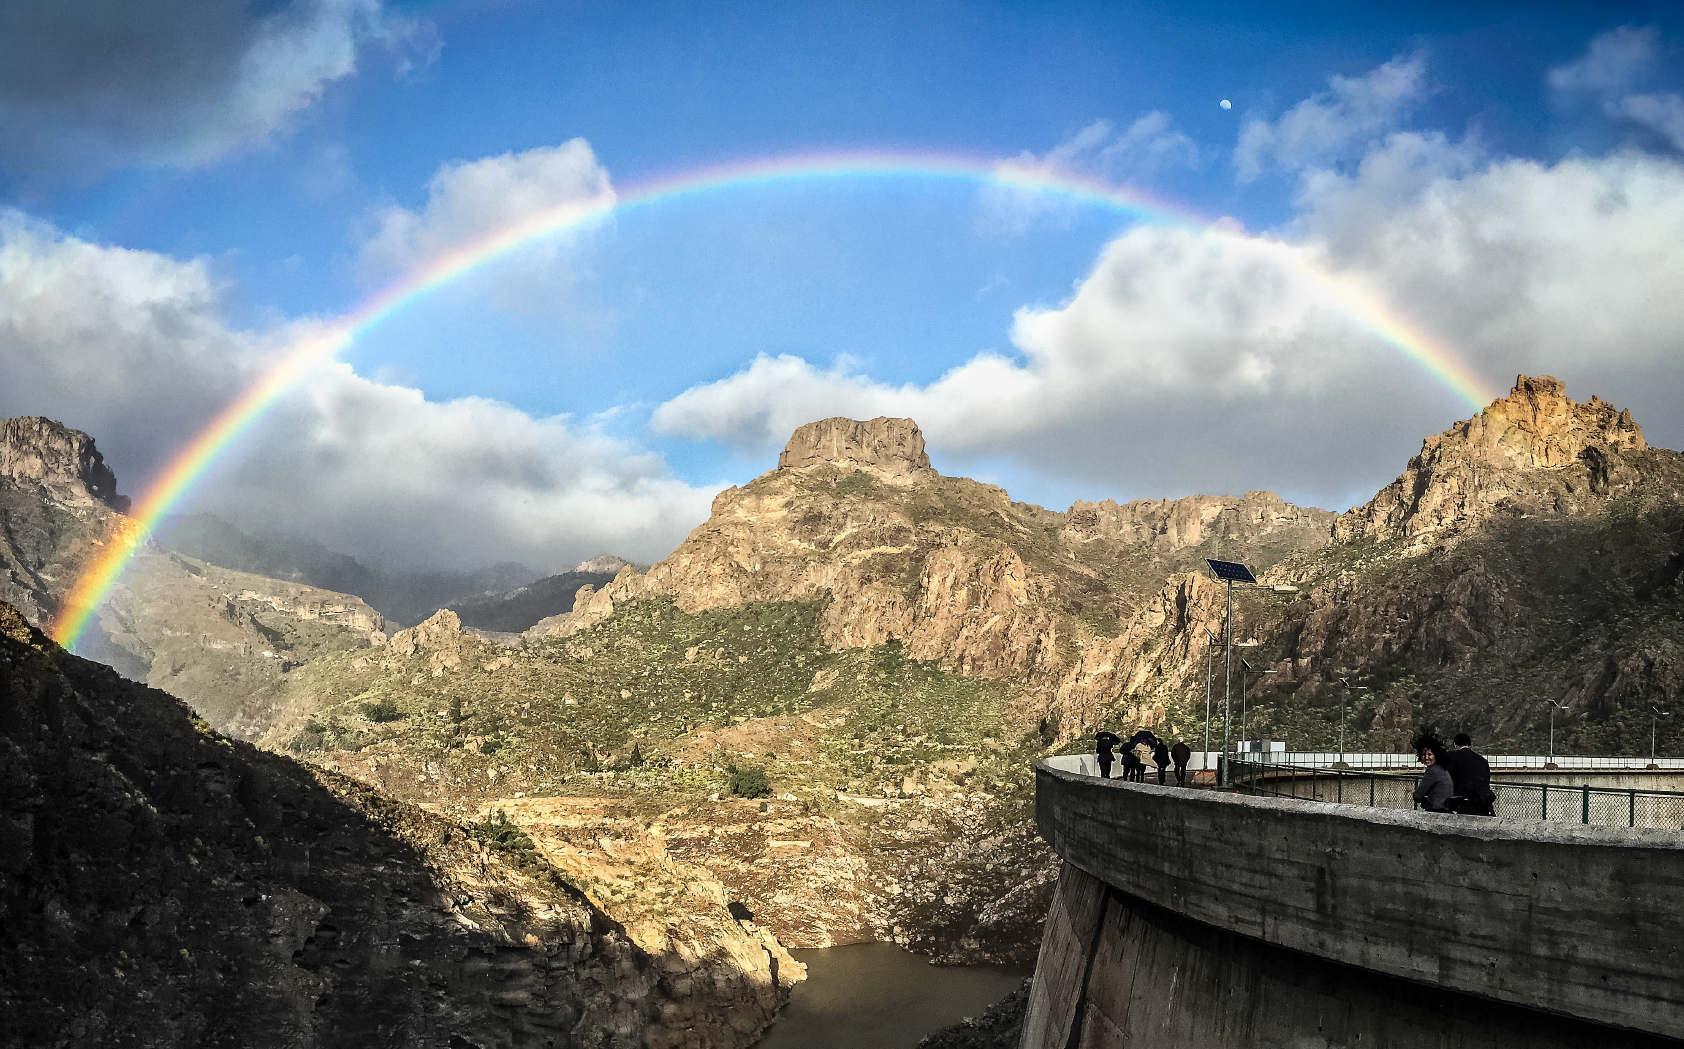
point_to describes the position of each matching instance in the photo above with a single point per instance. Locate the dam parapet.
(1191, 918)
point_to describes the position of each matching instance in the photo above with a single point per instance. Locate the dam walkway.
(1193, 919)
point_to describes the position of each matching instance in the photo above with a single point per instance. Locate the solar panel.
(1232, 571)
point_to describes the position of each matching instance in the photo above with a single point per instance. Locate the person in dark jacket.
(1103, 742)
(1435, 790)
(1470, 774)
(1131, 754)
(1181, 754)
(1160, 758)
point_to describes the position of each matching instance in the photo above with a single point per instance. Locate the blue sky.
(195, 202)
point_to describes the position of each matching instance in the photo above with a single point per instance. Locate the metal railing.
(1537, 802)
(1366, 760)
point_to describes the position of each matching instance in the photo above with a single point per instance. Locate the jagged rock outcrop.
(601, 564)
(164, 886)
(893, 448)
(38, 451)
(1167, 525)
(1534, 451)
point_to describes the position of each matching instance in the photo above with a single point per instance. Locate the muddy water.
(877, 996)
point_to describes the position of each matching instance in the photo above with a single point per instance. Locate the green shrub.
(750, 783)
(381, 712)
(497, 832)
(310, 739)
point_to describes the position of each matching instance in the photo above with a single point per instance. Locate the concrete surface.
(1135, 974)
(1581, 922)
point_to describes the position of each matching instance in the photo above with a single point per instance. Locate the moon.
(1225, 104)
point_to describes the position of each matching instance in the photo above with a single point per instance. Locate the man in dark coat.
(1160, 758)
(1470, 774)
(1103, 742)
(1181, 754)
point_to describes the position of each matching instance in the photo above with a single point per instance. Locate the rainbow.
(128, 534)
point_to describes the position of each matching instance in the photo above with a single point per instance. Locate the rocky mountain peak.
(1534, 451)
(38, 451)
(1537, 425)
(893, 447)
(602, 563)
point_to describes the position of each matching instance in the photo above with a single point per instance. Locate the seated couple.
(1457, 778)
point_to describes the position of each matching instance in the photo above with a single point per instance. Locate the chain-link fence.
(1542, 802)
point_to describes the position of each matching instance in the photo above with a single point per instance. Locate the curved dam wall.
(1188, 918)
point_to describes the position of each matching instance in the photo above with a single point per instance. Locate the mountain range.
(825, 706)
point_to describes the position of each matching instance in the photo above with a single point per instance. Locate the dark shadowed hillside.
(161, 885)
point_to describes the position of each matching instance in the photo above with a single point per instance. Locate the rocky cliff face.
(163, 886)
(1166, 526)
(891, 448)
(56, 496)
(210, 635)
(64, 462)
(1532, 452)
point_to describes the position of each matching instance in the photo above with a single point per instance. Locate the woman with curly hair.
(1434, 791)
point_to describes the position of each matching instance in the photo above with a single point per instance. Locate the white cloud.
(1353, 113)
(468, 201)
(1191, 361)
(1145, 148)
(132, 347)
(1613, 66)
(465, 483)
(105, 83)
(1612, 62)
(1662, 114)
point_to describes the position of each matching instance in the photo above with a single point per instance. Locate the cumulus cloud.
(1615, 64)
(92, 84)
(1205, 361)
(1148, 146)
(1345, 119)
(468, 201)
(1612, 61)
(133, 347)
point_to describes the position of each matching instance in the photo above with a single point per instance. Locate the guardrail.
(1538, 802)
(1360, 760)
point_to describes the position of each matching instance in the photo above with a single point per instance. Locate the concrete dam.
(1195, 919)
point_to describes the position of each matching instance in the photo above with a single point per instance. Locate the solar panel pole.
(1656, 714)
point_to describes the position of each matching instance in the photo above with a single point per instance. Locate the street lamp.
(1554, 706)
(1210, 646)
(1349, 688)
(1655, 715)
(1246, 670)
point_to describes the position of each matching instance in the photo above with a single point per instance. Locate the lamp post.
(1210, 653)
(1246, 670)
(1349, 688)
(1554, 706)
(1655, 716)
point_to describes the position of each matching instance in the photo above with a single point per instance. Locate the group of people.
(1456, 779)
(1134, 769)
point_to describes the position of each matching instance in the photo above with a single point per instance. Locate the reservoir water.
(878, 996)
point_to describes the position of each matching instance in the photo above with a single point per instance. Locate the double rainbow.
(129, 534)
